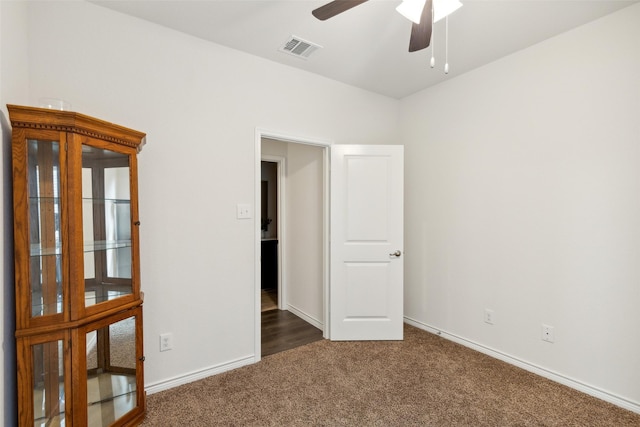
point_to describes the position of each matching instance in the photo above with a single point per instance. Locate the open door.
(366, 286)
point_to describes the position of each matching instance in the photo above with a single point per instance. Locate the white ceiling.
(367, 46)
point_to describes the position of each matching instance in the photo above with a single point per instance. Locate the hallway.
(282, 330)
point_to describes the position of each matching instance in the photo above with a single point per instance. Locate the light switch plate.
(244, 211)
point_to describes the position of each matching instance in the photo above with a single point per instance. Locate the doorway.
(292, 176)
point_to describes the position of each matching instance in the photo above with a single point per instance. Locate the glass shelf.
(93, 298)
(38, 251)
(36, 199)
(105, 245)
(107, 201)
(56, 200)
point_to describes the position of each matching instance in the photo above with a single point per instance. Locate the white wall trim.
(527, 366)
(304, 316)
(198, 375)
(257, 275)
(326, 190)
(287, 137)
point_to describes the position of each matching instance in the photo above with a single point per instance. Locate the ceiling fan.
(421, 12)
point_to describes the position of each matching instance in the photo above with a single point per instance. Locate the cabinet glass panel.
(43, 175)
(48, 384)
(118, 221)
(111, 372)
(106, 213)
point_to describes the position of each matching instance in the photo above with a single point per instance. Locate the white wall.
(13, 89)
(303, 257)
(200, 104)
(305, 230)
(523, 196)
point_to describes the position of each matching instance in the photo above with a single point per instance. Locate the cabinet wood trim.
(69, 121)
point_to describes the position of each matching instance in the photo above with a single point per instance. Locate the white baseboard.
(304, 316)
(198, 375)
(224, 367)
(553, 376)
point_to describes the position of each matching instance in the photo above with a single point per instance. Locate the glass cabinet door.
(45, 232)
(46, 375)
(106, 214)
(111, 364)
(48, 383)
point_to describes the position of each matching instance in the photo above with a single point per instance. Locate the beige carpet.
(424, 380)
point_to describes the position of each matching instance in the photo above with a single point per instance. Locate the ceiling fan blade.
(334, 8)
(421, 33)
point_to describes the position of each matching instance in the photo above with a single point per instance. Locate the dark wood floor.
(282, 331)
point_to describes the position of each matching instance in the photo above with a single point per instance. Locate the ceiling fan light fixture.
(444, 8)
(411, 9)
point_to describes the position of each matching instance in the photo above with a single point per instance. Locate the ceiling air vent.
(297, 47)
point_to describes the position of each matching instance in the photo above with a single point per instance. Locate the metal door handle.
(396, 254)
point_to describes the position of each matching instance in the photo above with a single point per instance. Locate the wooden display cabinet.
(77, 275)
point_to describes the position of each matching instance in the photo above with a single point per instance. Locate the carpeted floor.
(424, 380)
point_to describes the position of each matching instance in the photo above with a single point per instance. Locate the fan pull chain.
(446, 45)
(433, 41)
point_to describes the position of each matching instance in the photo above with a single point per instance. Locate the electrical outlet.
(166, 342)
(488, 316)
(547, 333)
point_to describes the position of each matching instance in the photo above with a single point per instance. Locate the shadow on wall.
(8, 290)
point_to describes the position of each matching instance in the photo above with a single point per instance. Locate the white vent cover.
(298, 47)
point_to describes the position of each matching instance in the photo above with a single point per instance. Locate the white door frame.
(261, 133)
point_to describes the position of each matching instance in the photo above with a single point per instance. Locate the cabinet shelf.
(38, 251)
(105, 245)
(111, 293)
(107, 201)
(34, 200)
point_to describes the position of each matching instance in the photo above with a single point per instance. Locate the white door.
(366, 290)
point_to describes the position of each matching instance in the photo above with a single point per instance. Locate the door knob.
(396, 254)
